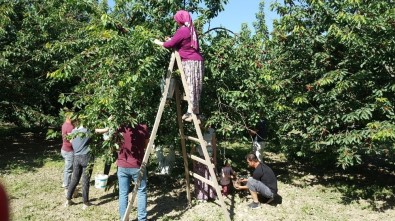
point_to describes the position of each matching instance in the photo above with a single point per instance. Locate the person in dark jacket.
(262, 181)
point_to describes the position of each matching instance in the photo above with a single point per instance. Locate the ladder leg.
(184, 152)
(151, 139)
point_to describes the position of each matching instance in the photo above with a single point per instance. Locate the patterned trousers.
(194, 71)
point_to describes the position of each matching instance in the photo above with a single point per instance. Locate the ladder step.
(209, 182)
(193, 139)
(200, 160)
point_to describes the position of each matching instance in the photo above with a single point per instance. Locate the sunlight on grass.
(34, 184)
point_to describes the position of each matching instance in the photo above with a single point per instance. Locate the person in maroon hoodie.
(130, 157)
(67, 151)
(4, 206)
(185, 41)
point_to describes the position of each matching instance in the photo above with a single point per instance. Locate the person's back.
(130, 156)
(182, 42)
(67, 127)
(266, 175)
(82, 158)
(81, 141)
(132, 149)
(226, 174)
(261, 130)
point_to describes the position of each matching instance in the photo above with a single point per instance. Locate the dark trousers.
(80, 168)
(107, 165)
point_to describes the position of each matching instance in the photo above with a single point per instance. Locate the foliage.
(118, 70)
(234, 93)
(324, 78)
(26, 30)
(334, 78)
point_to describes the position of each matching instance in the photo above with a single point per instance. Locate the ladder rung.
(192, 138)
(200, 160)
(209, 182)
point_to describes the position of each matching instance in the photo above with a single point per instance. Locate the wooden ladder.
(206, 161)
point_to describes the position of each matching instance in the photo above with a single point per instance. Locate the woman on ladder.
(185, 41)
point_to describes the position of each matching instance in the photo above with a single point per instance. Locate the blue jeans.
(68, 167)
(259, 187)
(125, 176)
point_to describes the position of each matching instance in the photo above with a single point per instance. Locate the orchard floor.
(31, 170)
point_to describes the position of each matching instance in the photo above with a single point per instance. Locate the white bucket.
(101, 181)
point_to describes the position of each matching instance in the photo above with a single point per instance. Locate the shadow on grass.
(22, 150)
(169, 197)
(372, 181)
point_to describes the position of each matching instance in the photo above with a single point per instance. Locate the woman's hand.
(156, 41)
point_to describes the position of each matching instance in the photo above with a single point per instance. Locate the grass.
(31, 170)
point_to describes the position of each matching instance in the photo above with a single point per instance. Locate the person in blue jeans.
(262, 181)
(67, 151)
(130, 157)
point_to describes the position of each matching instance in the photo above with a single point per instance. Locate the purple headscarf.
(184, 18)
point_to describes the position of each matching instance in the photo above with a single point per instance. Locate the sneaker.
(68, 203)
(187, 115)
(201, 201)
(253, 205)
(270, 200)
(189, 119)
(86, 205)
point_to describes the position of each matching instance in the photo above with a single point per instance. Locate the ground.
(31, 170)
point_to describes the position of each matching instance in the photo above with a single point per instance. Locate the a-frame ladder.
(206, 161)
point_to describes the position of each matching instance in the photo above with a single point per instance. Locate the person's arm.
(233, 173)
(180, 34)
(251, 132)
(243, 179)
(241, 187)
(102, 130)
(158, 42)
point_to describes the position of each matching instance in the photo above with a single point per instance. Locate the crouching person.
(263, 181)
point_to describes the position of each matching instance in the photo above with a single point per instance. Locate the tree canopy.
(323, 78)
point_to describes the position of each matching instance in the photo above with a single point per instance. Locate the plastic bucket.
(101, 181)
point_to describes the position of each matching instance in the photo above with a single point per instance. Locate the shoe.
(68, 203)
(201, 201)
(269, 201)
(253, 205)
(86, 205)
(187, 117)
